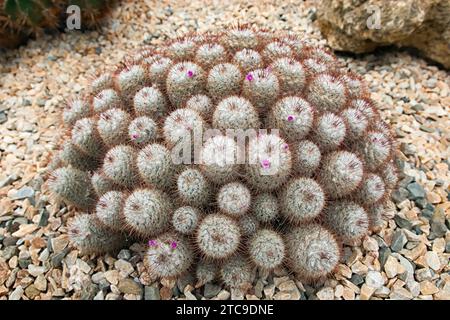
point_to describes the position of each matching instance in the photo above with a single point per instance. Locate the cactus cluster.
(316, 178)
(21, 18)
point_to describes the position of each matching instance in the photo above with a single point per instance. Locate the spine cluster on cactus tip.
(317, 170)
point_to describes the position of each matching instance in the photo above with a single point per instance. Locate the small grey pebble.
(402, 222)
(415, 191)
(418, 107)
(3, 117)
(421, 203)
(9, 252)
(104, 285)
(357, 279)
(400, 195)
(384, 254)
(398, 241)
(124, 254)
(43, 219)
(10, 241)
(23, 263)
(9, 179)
(25, 192)
(152, 292)
(57, 258)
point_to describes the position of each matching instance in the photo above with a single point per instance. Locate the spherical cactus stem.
(73, 186)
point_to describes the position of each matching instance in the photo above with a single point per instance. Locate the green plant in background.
(20, 19)
(323, 181)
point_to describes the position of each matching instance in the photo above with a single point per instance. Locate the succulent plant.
(20, 19)
(317, 174)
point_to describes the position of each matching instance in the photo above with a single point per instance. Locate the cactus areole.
(293, 159)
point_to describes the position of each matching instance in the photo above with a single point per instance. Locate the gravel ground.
(407, 259)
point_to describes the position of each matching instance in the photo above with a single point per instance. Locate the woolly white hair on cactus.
(193, 188)
(205, 272)
(307, 157)
(248, 225)
(90, 237)
(109, 208)
(158, 68)
(275, 50)
(86, 137)
(234, 199)
(292, 75)
(293, 116)
(265, 207)
(342, 172)
(270, 162)
(142, 130)
(151, 102)
(312, 251)
(327, 93)
(119, 165)
(184, 80)
(210, 54)
(248, 60)
(267, 249)
(106, 99)
(130, 79)
(201, 104)
(347, 219)
(357, 123)
(181, 123)
(185, 219)
(224, 80)
(73, 186)
(303, 200)
(154, 164)
(237, 273)
(182, 50)
(76, 110)
(218, 159)
(330, 131)
(102, 82)
(261, 87)
(146, 212)
(168, 255)
(235, 113)
(218, 236)
(113, 126)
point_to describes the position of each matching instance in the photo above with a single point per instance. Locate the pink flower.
(152, 243)
(190, 73)
(173, 245)
(265, 163)
(249, 77)
(290, 118)
(286, 146)
(134, 136)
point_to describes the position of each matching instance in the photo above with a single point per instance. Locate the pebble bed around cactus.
(320, 180)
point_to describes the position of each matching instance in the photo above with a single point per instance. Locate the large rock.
(351, 25)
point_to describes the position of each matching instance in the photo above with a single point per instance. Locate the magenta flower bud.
(249, 77)
(173, 245)
(265, 163)
(190, 73)
(290, 118)
(152, 243)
